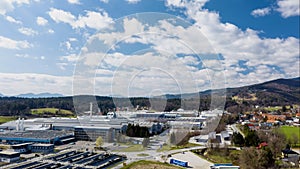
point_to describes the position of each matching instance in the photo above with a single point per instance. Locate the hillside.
(273, 93)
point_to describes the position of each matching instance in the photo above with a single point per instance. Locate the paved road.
(236, 129)
(193, 160)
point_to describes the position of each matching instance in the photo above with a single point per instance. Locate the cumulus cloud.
(70, 58)
(237, 45)
(12, 20)
(133, 1)
(51, 31)
(74, 1)
(92, 19)
(95, 20)
(288, 8)
(104, 1)
(13, 44)
(27, 31)
(41, 21)
(9, 5)
(61, 16)
(261, 12)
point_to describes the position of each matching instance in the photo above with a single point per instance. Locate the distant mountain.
(1, 95)
(280, 90)
(40, 95)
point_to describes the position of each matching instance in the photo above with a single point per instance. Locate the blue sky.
(47, 45)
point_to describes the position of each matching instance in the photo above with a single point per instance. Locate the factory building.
(9, 156)
(89, 133)
(46, 136)
(42, 148)
(21, 148)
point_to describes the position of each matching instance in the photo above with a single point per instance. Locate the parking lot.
(72, 160)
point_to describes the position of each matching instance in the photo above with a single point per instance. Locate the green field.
(221, 156)
(52, 111)
(4, 119)
(149, 165)
(167, 147)
(291, 133)
(132, 148)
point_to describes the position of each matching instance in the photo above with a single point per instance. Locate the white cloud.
(237, 45)
(25, 55)
(51, 31)
(13, 44)
(95, 20)
(12, 20)
(27, 31)
(62, 66)
(22, 55)
(74, 1)
(35, 83)
(261, 12)
(104, 1)
(61, 16)
(92, 19)
(133, 1)
(70, 58)
(41, 21)
(288, 8)
(9, 5)
(73, 39)
(68, 45)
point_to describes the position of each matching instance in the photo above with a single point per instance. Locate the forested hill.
(273, 93)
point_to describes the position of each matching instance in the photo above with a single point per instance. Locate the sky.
(145, 48)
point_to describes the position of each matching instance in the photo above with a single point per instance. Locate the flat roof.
(22, 144)
(94, 127)
(37, 134)
(40, 144)
(7, 152)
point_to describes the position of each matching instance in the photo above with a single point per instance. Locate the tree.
(276, 142)
(99, 142)
(252, 158)
(238, 139)
(251, 139)
(284, 109)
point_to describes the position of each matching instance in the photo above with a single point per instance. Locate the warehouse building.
(9, 156)
(46, 136)
(89, 133)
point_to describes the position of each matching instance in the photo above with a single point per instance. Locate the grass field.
(4, 119)
(221, 156)
(149, 165)
(169, 147)
(290, 132)
(143, 155)
(51, 111)
(132, 148)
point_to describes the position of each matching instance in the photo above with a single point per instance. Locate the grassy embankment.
(4, 119)
(149, 165)
(221, 155)
(167, 147)
(52, 112)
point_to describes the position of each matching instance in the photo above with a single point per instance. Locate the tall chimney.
(91, 109)
(18, 124)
